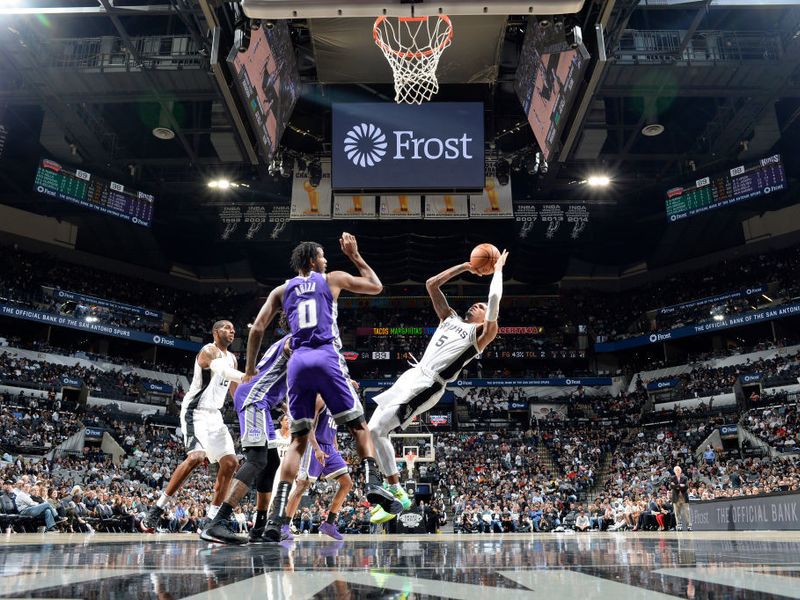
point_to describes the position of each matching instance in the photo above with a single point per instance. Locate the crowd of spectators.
(703, 381)
(34, 426)
(778, 426)
(123, 384)
(23, 275)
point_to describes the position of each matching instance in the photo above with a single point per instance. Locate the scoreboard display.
(737, 185)
(87, 190)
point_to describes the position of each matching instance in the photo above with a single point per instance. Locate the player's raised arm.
(271, 307)
(435, 283)
(493, 305)
(366, 282)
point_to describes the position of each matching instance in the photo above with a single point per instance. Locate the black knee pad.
(255, 459)
(267, 475)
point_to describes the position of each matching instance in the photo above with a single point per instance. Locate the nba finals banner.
(446, 207)
(401, 207)
(309, 202)
(354, 207)
(495, 203)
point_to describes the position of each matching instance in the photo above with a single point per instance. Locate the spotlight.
(503, 172)
(598, 181)
(91, 319)
(221, 184)
(719, 317)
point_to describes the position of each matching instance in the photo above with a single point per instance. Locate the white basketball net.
(413, 47)
(411, 458)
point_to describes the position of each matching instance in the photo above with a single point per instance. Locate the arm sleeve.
(219, 366)
(495, 294)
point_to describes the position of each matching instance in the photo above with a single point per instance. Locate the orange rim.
(402, 54)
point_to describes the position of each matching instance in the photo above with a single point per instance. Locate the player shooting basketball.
(454, 343)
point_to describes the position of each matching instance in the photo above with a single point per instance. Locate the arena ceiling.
(723, 78)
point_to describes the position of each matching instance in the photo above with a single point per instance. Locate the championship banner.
(401, 207)
(446, 207)
(39, 316)
(311, 203)
(495, 203)
(354, 207)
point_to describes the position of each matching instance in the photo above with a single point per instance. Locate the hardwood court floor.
(618, 566)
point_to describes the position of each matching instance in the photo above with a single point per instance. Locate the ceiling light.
(653, 129)
(719, 317)
(223, 184)
(213, 183)
(91, 319)
(598, 180)
(163, 133)
(767, 298)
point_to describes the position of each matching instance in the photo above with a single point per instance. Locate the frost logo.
(365, 145)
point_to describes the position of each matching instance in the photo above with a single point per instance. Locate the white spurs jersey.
(453, 345)
(207, 390)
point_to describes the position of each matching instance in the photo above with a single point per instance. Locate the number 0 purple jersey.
(311, 311)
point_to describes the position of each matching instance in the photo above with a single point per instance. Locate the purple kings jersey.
(267, 389)
(326, 428)
(311, 311)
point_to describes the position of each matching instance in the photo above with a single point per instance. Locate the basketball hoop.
(413, 46)
(411, 458)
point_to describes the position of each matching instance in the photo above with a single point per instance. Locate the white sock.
(163, 500)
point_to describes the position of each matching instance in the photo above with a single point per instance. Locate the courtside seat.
(10, 517)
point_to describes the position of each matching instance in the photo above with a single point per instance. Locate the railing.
(110, 54)
(664, 47)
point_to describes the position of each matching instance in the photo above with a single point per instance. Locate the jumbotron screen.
(87, 190)
(546, 85)
(741, 183)
(268, 82)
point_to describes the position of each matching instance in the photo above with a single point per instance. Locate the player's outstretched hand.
(320, 456)
(247, 378)
(349, 245)
(468, 267)
(500, 263)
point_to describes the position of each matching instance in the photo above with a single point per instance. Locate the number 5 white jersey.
(453, 345)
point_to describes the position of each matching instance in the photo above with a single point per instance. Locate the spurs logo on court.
(365, 145)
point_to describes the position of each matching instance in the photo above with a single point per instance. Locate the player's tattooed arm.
(271, 307)
(208, 353)
(367, 282)
(435, 283)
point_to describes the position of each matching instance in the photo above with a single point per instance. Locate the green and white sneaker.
(401, 496)
(378, 515)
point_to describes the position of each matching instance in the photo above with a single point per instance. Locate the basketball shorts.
(312, 469)
(205, 431)
(320, 370)
(256, 429)
(414, 393)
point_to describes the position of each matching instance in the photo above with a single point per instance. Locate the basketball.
(483, 257)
